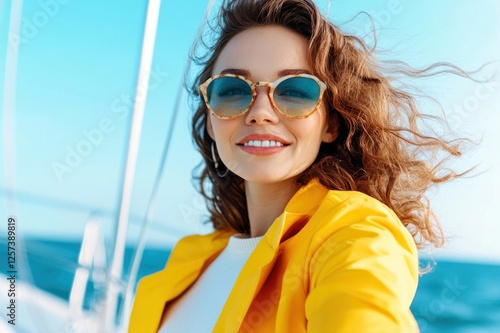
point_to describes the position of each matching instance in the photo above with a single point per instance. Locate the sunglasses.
(294, 96)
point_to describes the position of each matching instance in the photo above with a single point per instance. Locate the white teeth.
(265, 143)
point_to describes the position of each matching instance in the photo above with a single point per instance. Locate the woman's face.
(266, 54)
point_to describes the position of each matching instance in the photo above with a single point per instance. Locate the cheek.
(222, 129)
(312, 128)
(214, 127)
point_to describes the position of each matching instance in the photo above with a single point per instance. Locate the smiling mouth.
(263, 143)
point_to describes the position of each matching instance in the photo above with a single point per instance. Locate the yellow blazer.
(334, 261)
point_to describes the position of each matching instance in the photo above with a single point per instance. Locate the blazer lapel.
(187, 261)
(253, 275)
(255, 272)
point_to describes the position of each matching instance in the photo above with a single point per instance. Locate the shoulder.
(203, 243)
(350, 227)
(356, 213)
(345, 215)
(353, 231)
(192, 248)
(338, 208)
(357, 204)
(362, 261)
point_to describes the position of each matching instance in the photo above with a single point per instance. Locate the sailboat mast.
(116, 267)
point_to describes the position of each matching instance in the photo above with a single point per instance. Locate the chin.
(267, 177)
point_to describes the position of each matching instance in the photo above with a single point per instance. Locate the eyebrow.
(293, 72)
(235, 71)
(281, 73)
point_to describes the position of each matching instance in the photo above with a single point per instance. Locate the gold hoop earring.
(216, 163)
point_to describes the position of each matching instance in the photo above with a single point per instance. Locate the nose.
(262, 111)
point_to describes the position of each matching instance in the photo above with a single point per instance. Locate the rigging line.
(137, 256)
(9, 102)
(327, 12)
(115, 272)
(46, 201)
(9, 144)
(34, 199)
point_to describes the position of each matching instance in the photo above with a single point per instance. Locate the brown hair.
(381, 148)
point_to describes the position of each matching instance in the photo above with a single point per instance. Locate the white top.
(199, 308)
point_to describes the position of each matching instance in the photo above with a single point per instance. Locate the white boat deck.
(37, 311)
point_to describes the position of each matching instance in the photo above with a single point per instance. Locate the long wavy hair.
(381, 148)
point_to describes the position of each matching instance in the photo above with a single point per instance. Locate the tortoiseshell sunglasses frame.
(271, 85)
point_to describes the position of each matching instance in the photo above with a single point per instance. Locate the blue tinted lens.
(228, 96)
(297, 96)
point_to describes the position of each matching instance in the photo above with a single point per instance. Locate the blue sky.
(77, 68)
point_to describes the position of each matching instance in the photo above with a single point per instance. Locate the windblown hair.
(381, 148)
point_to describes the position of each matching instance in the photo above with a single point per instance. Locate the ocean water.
(454, 297)
(459, 298)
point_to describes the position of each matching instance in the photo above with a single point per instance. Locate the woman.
(315, 174)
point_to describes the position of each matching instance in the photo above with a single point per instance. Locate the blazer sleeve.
(364, 275)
